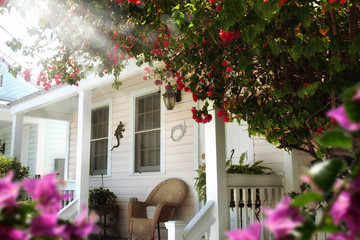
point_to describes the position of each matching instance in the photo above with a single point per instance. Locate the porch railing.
(247, 196)
(68, 189)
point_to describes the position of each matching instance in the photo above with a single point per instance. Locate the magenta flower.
(46, 224)
(340, 207)
(8, 191)
(252, 232)
(341, 117)
(340, 236)
(80, 228)
(45, 191)
(10, 233)
(283, 219)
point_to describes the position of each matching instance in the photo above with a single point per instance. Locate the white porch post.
(216, 174)
(16, 136)
(83, 148)
(291, 169)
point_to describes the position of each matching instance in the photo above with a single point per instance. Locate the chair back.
(171, 191)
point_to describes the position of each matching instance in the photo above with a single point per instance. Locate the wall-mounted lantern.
(171, 97)
(2, 148)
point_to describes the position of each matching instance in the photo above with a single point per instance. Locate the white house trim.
(133, 96)
(83, 148)
(16, 136)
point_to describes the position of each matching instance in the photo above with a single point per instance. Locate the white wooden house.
(147, 153)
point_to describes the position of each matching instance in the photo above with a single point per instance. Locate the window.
(1, 79)
(99, 141)
(147, 133)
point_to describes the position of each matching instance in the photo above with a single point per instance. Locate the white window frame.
(133, 96)
(96, 105)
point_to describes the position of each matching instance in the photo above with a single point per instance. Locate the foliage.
(276, 64)
(101, 196)
(335, 186)
(255, 168)
(9, 164)
(37, 220)
(241, 168)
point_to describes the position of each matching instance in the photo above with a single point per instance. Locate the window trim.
(94, 106)
(133, 96)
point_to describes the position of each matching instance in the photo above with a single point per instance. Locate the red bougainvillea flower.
(8, 191)
(212, 1)
(283, 219)
(320, 129)
(224, 63)
(158, 83)
(116, 34)
(228, 69)
(166, 43)
(195, 97)
(220, 113)
(252, 232)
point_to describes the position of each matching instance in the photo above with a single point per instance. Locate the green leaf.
(353, 110)
(325, 173)
(296, 52)
(306, 198)
(336, 138)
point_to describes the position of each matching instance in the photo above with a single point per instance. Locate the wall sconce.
(2, 148)
(171, 97)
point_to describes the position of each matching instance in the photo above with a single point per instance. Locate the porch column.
(83, 148)
(291, 169)
(216, 174)
(16, 136)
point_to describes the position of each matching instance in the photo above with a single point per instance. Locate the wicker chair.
(166, 196)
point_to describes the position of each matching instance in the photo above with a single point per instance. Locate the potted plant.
(103, 202)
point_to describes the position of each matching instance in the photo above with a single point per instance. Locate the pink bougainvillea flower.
(46, 224)
(10, 233)
(8, 191)
(283, 219)
(252, 232)
(341, 117)
(2, 3)
(340, 236)
(340, 207)
(147, 69)
(81, 227)
(45, 191)
(158, 83)
(27, 75)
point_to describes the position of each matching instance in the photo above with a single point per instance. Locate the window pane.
(147, 133)
(98, 156)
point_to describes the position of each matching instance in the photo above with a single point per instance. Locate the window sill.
(146, 173)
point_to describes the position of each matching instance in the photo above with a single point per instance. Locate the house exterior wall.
(179, 155)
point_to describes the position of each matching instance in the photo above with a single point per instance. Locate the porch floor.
(96, 237)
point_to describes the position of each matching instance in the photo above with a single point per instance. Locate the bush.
(9, 164)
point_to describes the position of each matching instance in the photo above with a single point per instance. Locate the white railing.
(249, 194)
(70, 211)
(69, 189)
(198, 227)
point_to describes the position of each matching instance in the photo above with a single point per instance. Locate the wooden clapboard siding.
(179, 156)
(272, 156)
